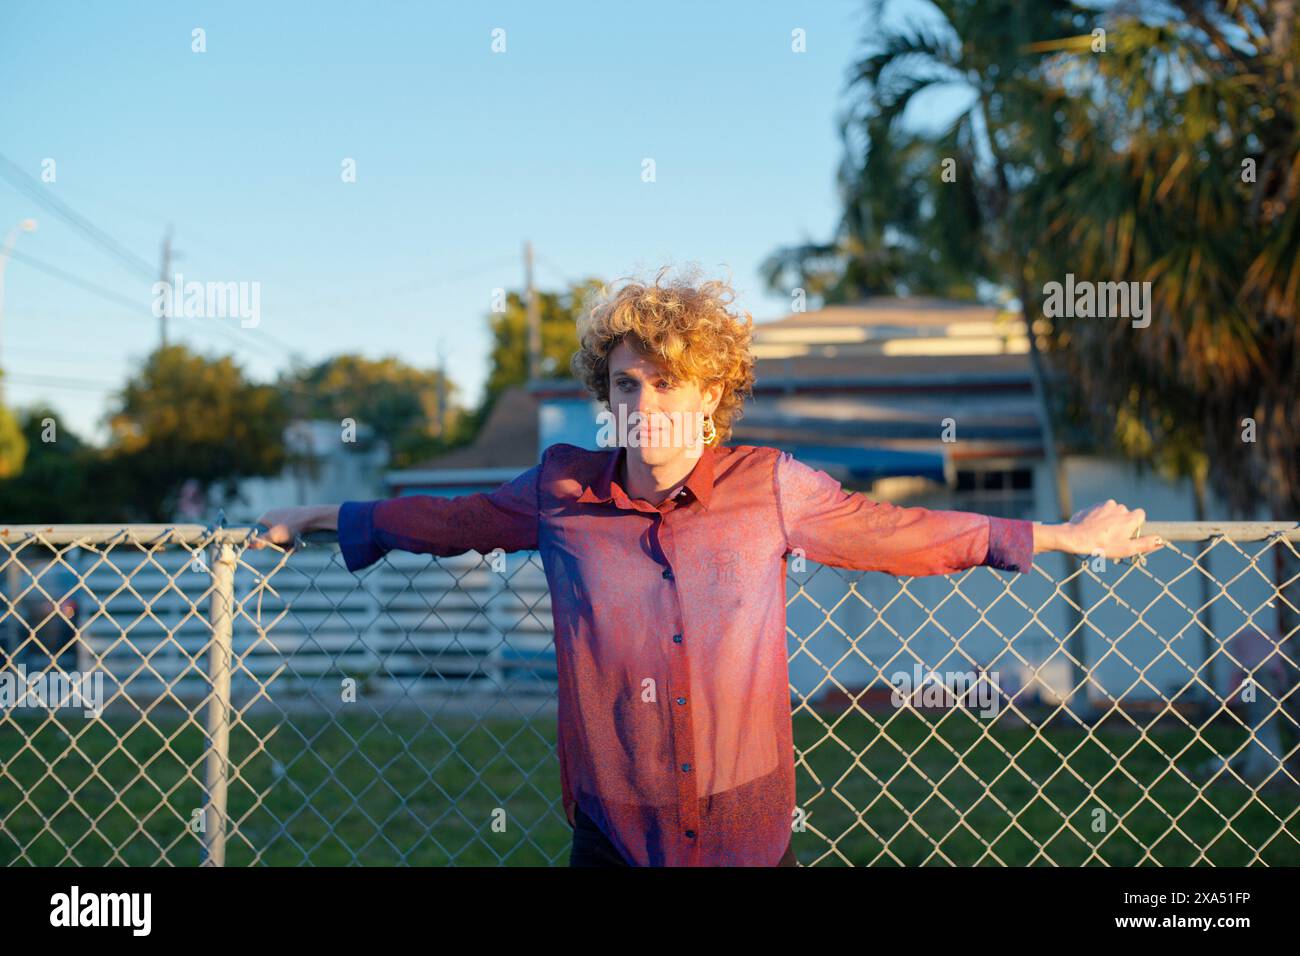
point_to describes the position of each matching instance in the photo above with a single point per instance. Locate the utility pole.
(534, 316)
(167, 278)
(442, 392)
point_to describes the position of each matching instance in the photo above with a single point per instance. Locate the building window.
(1002, 492)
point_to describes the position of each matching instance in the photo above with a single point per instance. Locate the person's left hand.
(1109, 529)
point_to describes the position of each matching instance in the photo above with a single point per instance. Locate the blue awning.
(869, 464)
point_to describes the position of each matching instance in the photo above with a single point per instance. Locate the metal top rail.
(122, 533)
(163, 534)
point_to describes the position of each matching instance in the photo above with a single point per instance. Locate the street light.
(27, 225)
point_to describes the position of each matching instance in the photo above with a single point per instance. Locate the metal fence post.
(218, 723)
(11, 622)
(1076, 645)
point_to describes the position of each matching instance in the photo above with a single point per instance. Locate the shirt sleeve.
(427, 524)
(849, 530)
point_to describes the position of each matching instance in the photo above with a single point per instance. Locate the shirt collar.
(605, 488)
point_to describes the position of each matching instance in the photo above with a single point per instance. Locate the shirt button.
(690, 834)
(686, 768)
(681, 700)
(668, 574)
(677, 638)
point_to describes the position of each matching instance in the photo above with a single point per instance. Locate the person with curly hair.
(665, 551)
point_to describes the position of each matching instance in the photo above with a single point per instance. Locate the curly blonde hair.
(684, 326)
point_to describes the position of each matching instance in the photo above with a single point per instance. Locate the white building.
(326, 464)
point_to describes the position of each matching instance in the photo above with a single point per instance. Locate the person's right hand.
(282, 526)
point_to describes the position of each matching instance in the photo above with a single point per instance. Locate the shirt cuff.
(1011, 544)
(356, 534)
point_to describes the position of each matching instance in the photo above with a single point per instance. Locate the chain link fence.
(169, 696)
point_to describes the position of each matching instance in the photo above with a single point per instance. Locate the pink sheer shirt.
(674, 713)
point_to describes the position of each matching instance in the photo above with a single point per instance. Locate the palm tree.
(1181, 167)
(943, 212)
(1165, 149)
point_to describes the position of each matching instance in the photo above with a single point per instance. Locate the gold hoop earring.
(710, 431)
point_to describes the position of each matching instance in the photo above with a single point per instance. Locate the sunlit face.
(637, 385)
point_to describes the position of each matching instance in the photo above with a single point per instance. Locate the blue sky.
(461, 154)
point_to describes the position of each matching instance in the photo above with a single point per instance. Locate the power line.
(60, 355)
(12, 172)
(107, 295)
(289, 350)
(555, 270)
(57, 381)
(17, 177)
(417, 286)
(116, 298)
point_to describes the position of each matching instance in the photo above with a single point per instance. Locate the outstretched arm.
(848, 529)
(505, 518)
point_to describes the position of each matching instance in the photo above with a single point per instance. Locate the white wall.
(338, 471)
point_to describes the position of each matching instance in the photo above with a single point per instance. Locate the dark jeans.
(592, 848)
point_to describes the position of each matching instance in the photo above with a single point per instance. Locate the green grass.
(382, 790)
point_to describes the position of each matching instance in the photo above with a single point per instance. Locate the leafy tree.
(1125, 164)
(406, 406)
(1181, 167)
(13, 446)
(186, 416)
(52, 483)
(944, 211)
(558, 313)
(1171, 157)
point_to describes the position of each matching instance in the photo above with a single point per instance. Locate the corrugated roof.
(837, 358)
(771, 372)
(905, 311)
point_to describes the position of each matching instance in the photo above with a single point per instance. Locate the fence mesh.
(173, 697)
